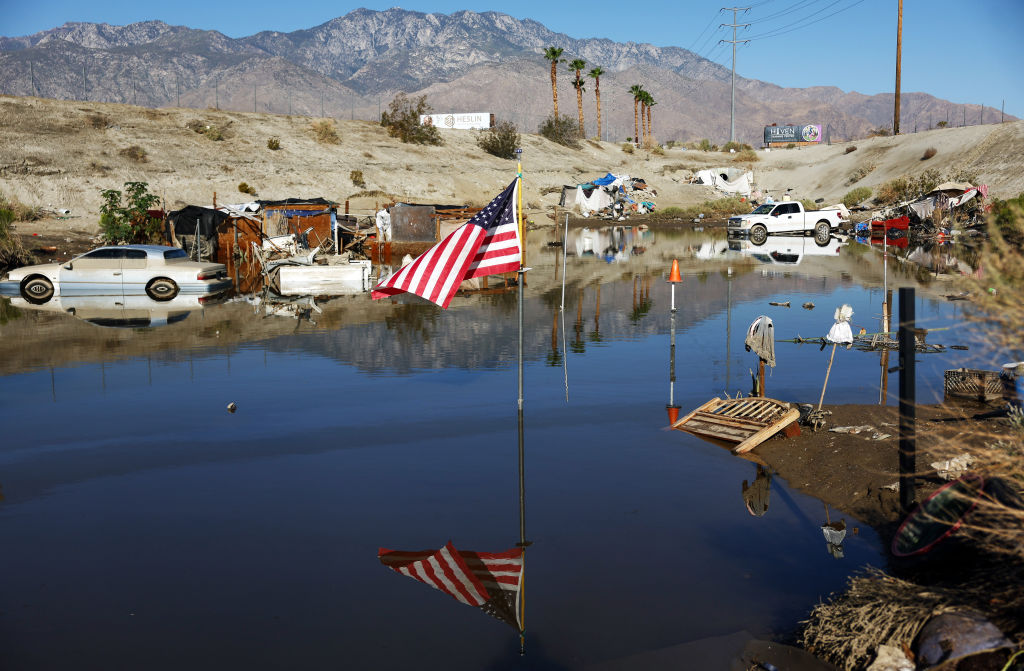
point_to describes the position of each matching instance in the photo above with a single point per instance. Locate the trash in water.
(781, 305)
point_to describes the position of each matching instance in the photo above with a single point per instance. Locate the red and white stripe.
(465, 576)
(469, 251)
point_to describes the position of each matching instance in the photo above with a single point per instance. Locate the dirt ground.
(857, 473)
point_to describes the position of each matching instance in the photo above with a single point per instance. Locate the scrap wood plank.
(745, 421)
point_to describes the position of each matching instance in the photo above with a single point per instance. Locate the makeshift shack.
(312, 219)
(727, 180)
(194, 229)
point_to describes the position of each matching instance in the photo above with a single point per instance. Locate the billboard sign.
(462, 121)
(801, 133)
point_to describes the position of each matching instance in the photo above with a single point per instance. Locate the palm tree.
(643, 115)
(578, 64)
(596, 74)
(650, 122)
(636, 90)
(554, 54)
(580, 87)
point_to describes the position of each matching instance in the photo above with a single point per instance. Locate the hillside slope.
(60, 154)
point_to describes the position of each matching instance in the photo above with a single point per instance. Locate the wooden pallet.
(745, 421)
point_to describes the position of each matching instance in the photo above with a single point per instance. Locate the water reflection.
(755, 495)
(138, 311)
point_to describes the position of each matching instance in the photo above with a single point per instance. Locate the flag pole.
(522, 482)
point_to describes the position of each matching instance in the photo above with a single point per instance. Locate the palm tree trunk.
(636, 122)
(554, 85)
(650, 126)
(643, 122)
(579, 106)
(597, 92)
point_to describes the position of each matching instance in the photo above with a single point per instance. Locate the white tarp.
(598, 200)
(728, 180)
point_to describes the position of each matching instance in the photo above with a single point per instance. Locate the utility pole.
(321, 104)
(177, 90)
(1002, 112)
(964, 125)
(253, 98)
(734, 41)
(32, 73)
(85, 84)
(899, 56)
(216, 94)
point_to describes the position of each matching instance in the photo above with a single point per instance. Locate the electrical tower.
(734, 42)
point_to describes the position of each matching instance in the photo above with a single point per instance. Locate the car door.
(97, 273)
(789, 217)
(135, 272)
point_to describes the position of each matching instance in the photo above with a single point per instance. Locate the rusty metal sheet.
(413, 223)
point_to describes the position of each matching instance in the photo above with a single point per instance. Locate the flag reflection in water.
(491, 581)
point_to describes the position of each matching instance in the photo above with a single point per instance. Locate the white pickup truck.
(785, 217)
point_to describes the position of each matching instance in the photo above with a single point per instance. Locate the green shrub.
(942, 124)
(657, 150)
(906, 188)
(791, 145)
(746, 156)
(563, 130)
(211, 131)
(860, 173)
(704, 144)
(627, 147)
(357, 178)
(501, 140)
(325, 131)
(274, 143)
(808, 204)
(18, 210)
(1007, 216)
(855, 196)
(245, 188)
(124, 217)
(402, 119)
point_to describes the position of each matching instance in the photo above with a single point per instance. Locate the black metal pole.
(908, 392)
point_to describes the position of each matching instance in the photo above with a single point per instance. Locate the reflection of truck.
(786, 250)
(785, 217)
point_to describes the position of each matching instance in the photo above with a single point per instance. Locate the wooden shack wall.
(230, 243)
(321, 223)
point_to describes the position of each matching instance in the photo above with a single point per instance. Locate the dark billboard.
(802, 133)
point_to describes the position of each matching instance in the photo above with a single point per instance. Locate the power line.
(801, 26)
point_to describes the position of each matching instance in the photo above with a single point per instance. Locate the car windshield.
(175, 254)
(764, 209)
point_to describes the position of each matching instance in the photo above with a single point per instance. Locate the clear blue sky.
(967, 52)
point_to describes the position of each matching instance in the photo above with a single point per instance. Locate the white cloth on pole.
(761, 339)
(598, 200)
(840, 333)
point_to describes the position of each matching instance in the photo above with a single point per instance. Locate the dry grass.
(325, 131)
(746, 156)
(929, 152)
(987, 572)
(852, 148)
(134, 153)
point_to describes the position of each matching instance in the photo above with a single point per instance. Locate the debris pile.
(611, 197)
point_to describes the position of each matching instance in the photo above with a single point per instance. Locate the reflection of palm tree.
(595, 336)
(577, 345)
(555, 357)
(554, 54)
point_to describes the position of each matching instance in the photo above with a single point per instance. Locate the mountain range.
(352, 66)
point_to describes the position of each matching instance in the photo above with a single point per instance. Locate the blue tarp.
(606, 180)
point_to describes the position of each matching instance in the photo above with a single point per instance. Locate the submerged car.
(158, 271)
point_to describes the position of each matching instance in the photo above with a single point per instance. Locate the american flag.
(488, 580)
(487, 244)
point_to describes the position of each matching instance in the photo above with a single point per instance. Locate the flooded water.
(145, 526)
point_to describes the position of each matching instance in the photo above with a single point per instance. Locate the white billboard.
(462, 121)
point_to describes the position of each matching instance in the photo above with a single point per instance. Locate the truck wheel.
(822, 233)
(758, 234)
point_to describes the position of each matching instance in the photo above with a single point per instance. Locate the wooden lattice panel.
(745, 421)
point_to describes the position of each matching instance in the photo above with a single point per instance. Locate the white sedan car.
(157, 271)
